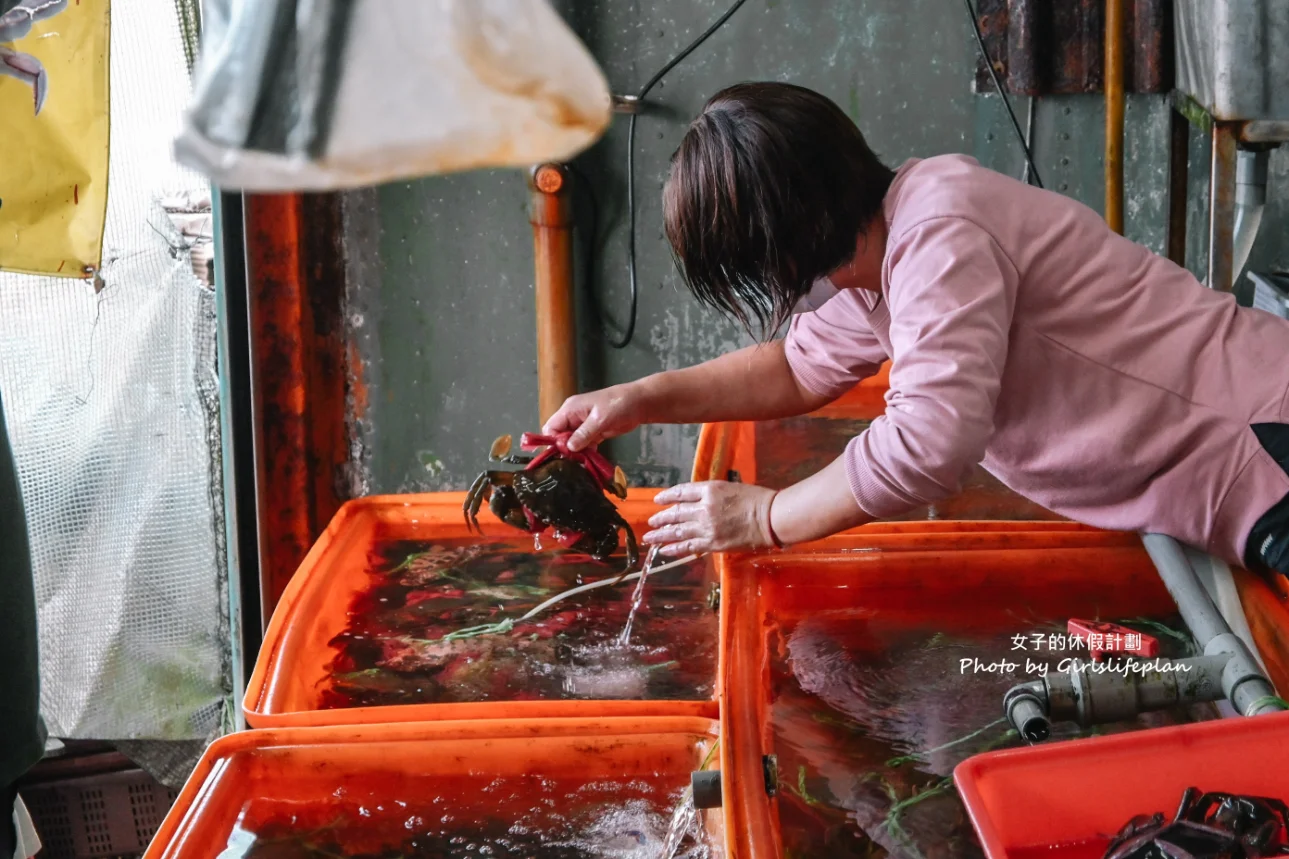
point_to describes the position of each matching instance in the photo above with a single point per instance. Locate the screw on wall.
(771, 766)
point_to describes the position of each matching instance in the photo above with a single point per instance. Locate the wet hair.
(769, 190)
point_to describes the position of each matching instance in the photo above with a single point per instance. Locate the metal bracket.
(771, 765)
(626, 104)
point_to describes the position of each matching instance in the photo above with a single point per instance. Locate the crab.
(1209, 825)
(558, 490)
(15, 23)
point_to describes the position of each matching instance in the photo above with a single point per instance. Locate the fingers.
(686, 547)
(672, 515)
(568, 418)
(588, 432)
(683, 492)
(687, 530)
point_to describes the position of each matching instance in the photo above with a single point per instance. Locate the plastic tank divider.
(751, 818)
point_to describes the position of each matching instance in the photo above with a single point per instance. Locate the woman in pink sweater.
(1085, 372)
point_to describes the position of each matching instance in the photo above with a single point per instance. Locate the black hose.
(630, 330)
(993, 75)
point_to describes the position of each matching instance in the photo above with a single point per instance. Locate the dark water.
(392, 651)
(870, 718)
(792, 449)
(519, 816)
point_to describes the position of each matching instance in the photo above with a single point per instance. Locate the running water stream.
(637, 597)
(684, 822)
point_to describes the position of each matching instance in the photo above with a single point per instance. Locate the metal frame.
(1226, 139)
(241, 533)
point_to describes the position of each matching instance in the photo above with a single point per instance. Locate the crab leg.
(633, 549)
(479, 491)
(27, 69)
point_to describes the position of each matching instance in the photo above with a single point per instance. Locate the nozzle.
(1027, 711)
(706, 785)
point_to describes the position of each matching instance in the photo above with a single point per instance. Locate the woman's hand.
(599, 415)
(713, 516)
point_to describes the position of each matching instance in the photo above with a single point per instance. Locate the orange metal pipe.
(551, 214)
(1114, 106)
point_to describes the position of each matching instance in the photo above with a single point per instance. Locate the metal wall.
(441, 271)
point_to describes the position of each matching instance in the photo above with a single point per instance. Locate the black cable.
(984, 54)
(629, 333)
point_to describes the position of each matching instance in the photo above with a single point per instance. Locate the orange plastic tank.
(951, 589)
(782, 452)
(1065, 801)
(368, 790)
(291, 681)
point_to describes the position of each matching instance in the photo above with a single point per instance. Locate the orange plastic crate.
(1066, 800)
(957, 589)
(318, 778)
(286, 686)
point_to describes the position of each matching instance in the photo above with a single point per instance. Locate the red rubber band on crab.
(1109, 639)
(557, 445)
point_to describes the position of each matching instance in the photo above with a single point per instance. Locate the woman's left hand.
(712, 516)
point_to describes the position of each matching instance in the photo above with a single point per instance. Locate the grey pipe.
(1100, 693)
(1242, 680)
(706, 788)
(1250, 203)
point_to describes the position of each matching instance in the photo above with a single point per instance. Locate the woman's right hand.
(598, 415)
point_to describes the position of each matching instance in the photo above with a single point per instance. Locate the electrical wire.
(630, 328)
(993, 75)
(504, 626)
(1029, 134)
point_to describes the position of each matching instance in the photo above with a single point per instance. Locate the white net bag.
(326, 94)
(111, 397)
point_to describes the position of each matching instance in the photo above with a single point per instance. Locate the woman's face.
(864, 270)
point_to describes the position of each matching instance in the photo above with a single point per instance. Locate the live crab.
(14, 25)
(558, 490)
(1208, 826)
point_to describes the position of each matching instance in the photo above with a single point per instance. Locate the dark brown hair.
(770, 189)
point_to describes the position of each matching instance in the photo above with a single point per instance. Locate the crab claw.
(27, 69)
(500, 448)
(619, 485)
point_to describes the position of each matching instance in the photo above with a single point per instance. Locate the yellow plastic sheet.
(53, 167)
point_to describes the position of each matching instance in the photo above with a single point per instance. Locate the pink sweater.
(1086, 373)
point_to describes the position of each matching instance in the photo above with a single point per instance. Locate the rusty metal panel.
(298, 367)
(1057, 47)
(1221, 208)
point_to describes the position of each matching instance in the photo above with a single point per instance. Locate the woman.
(1088, 374)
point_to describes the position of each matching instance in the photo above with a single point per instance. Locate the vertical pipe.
(1221, 219)
(295, 289)
(551, 214)
(1250, 201)
(274, 271)
(1243, 682)
(1178, 179)
(1114, 104)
